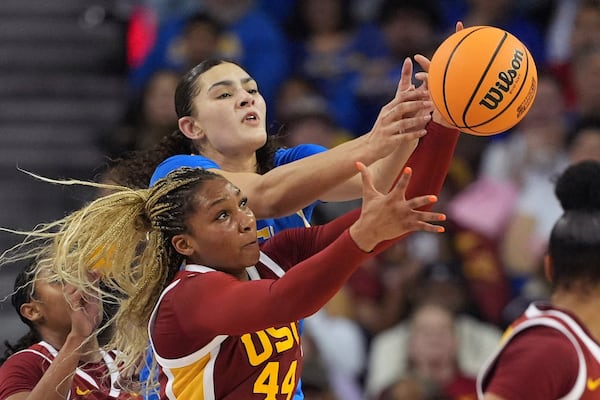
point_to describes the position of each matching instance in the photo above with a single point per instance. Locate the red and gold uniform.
(545, 354)
(92, 381)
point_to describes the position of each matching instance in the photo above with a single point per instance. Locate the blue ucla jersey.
(266, 228)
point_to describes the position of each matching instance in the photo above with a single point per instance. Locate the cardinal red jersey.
(545, 354)
(259, 365)
(93, 381)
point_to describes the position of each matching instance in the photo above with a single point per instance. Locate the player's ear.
(548, 268)
(182, 245)
(31, 311)
(190, 128)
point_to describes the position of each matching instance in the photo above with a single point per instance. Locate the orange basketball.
(483, 80)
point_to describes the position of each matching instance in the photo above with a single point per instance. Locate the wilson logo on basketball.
(506, 79)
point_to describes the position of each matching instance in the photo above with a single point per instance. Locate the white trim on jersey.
(108, 360)
(213, 347)
(542, 318)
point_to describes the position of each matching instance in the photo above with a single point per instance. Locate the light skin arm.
(290, 187)
(57, 380)
(387, 169)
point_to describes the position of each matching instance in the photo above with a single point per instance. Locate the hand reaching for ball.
(424, 62)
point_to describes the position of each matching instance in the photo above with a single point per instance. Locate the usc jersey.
(259, 365)
(94, 381)
(562, 346)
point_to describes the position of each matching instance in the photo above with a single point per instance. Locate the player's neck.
(584, 305)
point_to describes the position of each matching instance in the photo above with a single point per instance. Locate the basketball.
(483, 80)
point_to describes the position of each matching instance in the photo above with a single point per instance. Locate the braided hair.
(123, 238)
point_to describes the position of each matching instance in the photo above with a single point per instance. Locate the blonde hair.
(124, 240)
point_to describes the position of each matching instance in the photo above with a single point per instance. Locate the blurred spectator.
(307, 121)
(278, 10)
(200, 41)
(438, 283)
(303, 116)
(247, 31)
(536, 209)
(330, 49)
(378, 290)
(505, 14)
(433, 356)
(584, 142)
(488, 238)
(409, 387)
(586, 79)
(575, 26)
(407, 28)
(183, 42)
(150, 118)
(291, 89)
(322, 380)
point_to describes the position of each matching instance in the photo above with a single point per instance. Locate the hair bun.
(578, 188)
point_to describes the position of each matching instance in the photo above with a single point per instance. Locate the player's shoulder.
(286, 155)
(177, 161)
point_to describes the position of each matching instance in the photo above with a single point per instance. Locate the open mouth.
(251, 116)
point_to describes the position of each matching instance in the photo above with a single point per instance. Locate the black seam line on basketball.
(494, 55)
(516, 96)
(446, 73)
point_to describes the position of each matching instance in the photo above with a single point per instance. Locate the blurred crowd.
(418, 321)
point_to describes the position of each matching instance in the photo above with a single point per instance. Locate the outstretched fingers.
(405, 82)
(368, 187)
(424, 220)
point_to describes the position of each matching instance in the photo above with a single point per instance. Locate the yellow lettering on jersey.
(266, 382)
(282, 333)
(81, 392)
(264, 233)
(288, 385)
(287, 334)
(294, 327)
(254, 357)
(593, 384)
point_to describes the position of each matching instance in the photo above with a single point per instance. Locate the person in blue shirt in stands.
(246, 31)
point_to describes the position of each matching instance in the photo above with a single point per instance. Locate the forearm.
(387, 169)
(313, 282)
(291, 187)
(431, 160)
(384, 173)
(429, 156)
(57, 380)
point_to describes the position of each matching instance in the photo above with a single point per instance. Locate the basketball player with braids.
(222, 128)
(553, 350)
(59, 358)
(223, 326)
